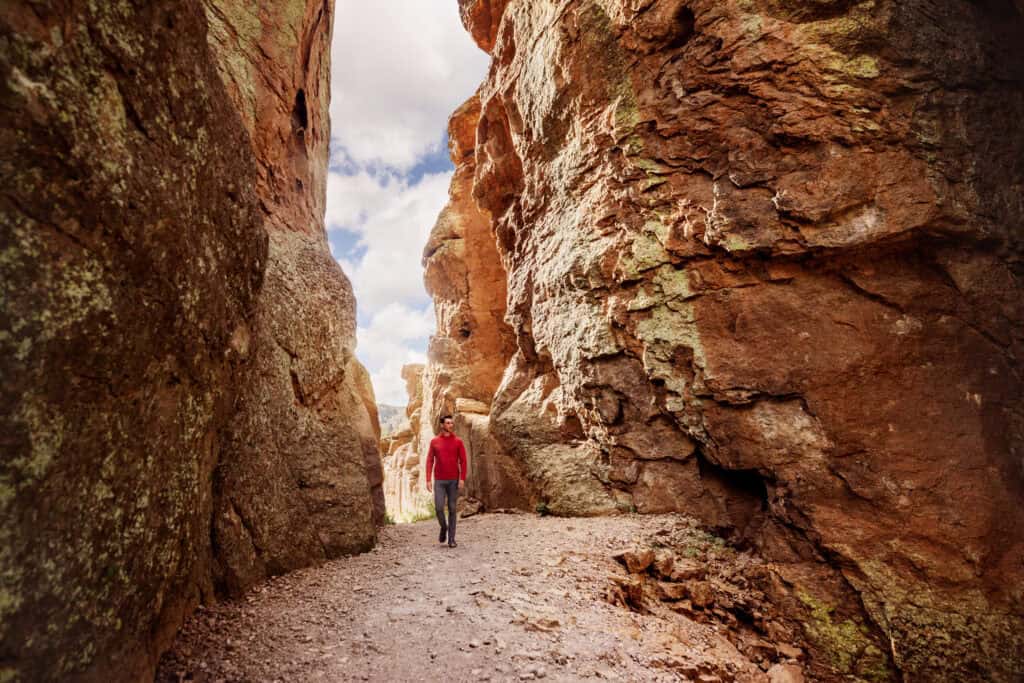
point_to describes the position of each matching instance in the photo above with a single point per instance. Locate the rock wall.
(302, 479)
(132, 255)
(763, 265)
(472, 345)
(182, 411)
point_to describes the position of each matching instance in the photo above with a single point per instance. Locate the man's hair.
(445, 417)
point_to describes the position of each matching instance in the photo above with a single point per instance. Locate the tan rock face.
(302, 479)
(762, 265)
(166, 363)
(132, 254)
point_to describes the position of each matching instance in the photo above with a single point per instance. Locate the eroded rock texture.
(302, 478)
(132, 253)
(763, 266)
(473, 343)
(181, 410)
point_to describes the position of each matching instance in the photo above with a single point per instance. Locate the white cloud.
(351, 199)
(394, 324)
(384, 347)
(399, 68)
(393, 220)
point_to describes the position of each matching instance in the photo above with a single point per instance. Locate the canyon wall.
(301, 479)
(133, 253)
(763, 266)
(473, 343)
(181, 410)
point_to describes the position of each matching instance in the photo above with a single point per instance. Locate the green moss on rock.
(845, 642)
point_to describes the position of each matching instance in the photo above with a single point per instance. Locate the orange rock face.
(481, 17)
(468, 354)
(762, 266)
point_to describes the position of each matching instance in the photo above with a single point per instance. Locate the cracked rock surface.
(763, 266)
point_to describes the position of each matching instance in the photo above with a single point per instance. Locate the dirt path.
(522, 597)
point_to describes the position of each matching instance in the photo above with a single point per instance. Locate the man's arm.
(430, 465)
(462, 464)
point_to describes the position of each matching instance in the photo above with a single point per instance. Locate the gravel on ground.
(522, 597)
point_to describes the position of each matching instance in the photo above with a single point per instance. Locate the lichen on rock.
(781, 238)
(127, 266)
(182, 411)
(300, 479)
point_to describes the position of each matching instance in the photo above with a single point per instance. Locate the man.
(447, 459)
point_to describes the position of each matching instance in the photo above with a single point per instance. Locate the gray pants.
(449, 488)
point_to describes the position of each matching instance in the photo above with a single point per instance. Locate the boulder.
(664, 563)
(635, 561)
(702, 593)
(671, 591)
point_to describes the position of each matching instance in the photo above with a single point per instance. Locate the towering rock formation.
(163, 366)
(473, 344)
(763, 265)
(132, 255)
(302, 481)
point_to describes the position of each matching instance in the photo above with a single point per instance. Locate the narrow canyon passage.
(679, 271)
(522, 597)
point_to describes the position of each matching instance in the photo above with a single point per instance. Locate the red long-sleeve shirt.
(446, 458)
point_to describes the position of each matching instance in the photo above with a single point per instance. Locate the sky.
(398, 69)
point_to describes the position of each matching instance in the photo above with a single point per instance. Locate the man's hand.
(429, 487)
(462, 484)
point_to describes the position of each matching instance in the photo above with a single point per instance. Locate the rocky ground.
(522, 597)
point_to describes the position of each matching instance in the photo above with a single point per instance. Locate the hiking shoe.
(452, 544)
(442, 535)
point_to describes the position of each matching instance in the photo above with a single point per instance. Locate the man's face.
(448, 425)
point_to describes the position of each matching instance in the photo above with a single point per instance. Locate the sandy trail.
(520, 598)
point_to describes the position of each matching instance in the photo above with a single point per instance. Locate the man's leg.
(439, 488)
(453, 498)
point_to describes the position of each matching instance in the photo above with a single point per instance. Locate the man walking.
(447, 459)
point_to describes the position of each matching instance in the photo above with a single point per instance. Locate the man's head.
(447, 424)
